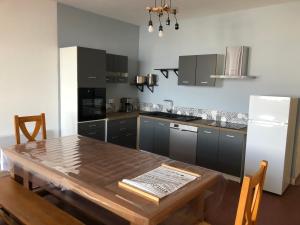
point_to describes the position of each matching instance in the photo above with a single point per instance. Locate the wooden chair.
(20, 124)
(250, 197)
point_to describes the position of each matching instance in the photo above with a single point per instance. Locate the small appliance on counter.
(111, 105)
(126, 105)
(140, 79)
(151, 79)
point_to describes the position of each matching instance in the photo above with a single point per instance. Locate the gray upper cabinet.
(117, 68)
(208, 148)
(231, 152)
(91, 65)
(206, 66)
(187, 70)
(196, 70)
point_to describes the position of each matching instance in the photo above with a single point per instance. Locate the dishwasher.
(183, 143)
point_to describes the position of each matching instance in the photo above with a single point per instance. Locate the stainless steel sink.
(171, 116)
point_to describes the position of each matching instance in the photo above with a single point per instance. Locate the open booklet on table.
(159, 182)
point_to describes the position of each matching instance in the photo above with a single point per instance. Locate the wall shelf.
(141, 87)
(243, 77)
(165, 71)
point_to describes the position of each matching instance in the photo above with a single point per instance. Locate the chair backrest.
(20, 124)
(250, 196)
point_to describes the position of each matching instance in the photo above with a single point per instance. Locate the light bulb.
(160, 31)
(168, 21)
(150, 26)
(150, 29)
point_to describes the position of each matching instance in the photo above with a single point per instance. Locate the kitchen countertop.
(121, 115)
(197, 123)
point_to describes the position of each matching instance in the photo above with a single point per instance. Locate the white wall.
(28, 63)
(272, 33)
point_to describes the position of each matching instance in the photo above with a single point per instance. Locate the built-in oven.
(91, 104)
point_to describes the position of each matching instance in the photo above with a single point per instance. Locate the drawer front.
(91, 125)
(96, 134)
(127, 139)
(122, 132)
(117, 127)
(95, 129)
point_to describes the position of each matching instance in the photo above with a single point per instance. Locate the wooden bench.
(29, 208)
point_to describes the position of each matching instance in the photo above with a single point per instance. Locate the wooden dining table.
(92, 169)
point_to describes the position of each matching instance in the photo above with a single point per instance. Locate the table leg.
(198, 207)
(12, 171)
(137, 224)
(26, 182)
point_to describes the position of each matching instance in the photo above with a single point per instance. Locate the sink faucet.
(169, 105)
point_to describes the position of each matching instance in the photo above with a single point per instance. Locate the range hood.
(236, 64)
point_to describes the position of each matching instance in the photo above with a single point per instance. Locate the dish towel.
(233, 64)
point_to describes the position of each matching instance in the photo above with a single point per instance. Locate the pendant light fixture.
(150, 24)
(160, 29)
(164, 9)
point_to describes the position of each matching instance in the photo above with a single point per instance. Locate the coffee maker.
(126, 105)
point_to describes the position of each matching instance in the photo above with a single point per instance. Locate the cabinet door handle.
(92, 133)
(122, 121)
(185, 82)
(122, 129)
(94, 125)
(161, 124)
(204, 82)
(92, 77)
(207, 132)
(230, 136)
(115, 137)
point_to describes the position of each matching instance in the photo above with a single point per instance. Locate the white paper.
(161, 181)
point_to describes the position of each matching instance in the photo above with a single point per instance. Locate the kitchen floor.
(275, 210)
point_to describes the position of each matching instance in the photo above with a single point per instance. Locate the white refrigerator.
(270, 136)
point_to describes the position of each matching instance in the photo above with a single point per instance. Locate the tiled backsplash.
(232, 117)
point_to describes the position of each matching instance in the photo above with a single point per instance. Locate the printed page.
(161, 181)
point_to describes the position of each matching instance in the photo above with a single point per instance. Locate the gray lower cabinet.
(231, 152)
(122, 132)
(208, 148)
(94, 129)
(154, 136)
(161, 138)
(221, 150)
(147, 134)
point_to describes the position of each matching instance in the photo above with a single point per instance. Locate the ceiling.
(133, 11)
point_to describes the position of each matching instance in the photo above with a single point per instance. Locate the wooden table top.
(93, 168)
